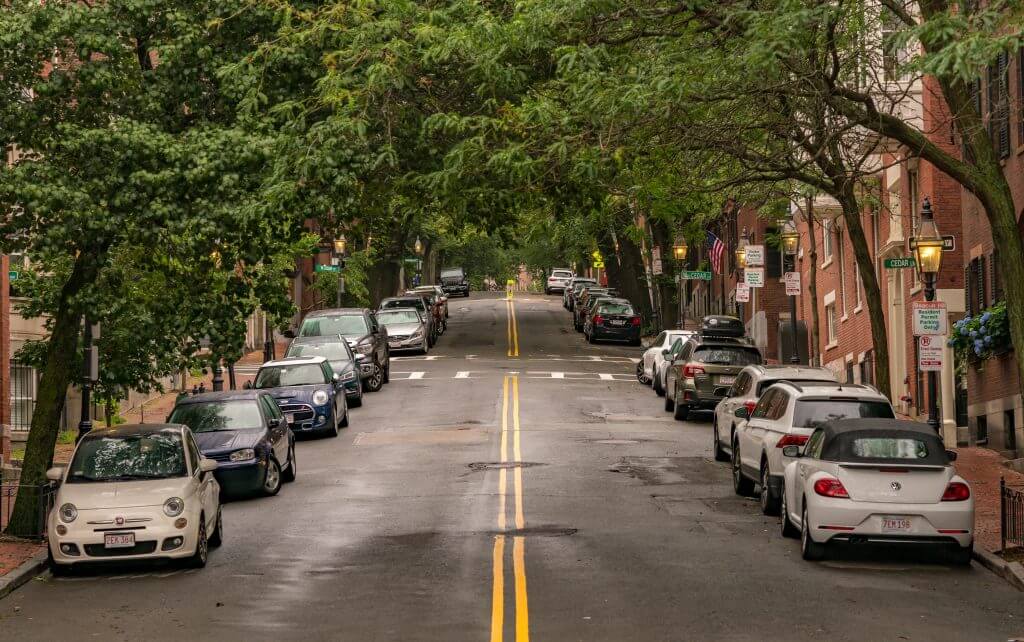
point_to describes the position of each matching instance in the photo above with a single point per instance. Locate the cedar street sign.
(13, 275)
(900, 263)
(742, 293)
(696, 275)
(948, 243)
(929, 354)
(792, 280)
(930, 318)
(754, 256)
(327, 268)
(754, 277)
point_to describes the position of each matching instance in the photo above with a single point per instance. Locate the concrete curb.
(1012, 572)
(28, 569)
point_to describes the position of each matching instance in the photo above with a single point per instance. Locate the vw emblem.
(119, 520)
(895, 485)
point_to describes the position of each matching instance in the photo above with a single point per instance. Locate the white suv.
(750, 383)
(651, 369)
(786, 415)
(558, 281)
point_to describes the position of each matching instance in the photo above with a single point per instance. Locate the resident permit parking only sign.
(930, 318)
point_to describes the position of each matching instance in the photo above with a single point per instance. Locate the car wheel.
(740, 484)
(387, 369)
(344, 419)
(670, 402)
(656, 384)
(425, 348)
(961, 556)
(356, 401)
(640, 376)
(272, 478)
(682, 411)
(376, 380)
(590, 337)
(217, 537)
(198, 559)
(720, 454)
(290, 473)
(809, 549)
(635, 342)
(788, 530)
(769, 502)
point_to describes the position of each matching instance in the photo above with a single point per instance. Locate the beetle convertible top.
(841, 437)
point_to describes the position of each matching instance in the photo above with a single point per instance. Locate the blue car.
(310, 394)
(246, 433)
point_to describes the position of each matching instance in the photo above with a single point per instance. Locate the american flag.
(715, 249)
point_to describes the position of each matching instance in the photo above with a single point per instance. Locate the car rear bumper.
(852, 521)
(625, 333)
(455, 289)
(697, 399)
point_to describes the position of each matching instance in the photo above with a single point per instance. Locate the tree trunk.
(627, 277)
(668, 293)
(51, 395)
(812, 287)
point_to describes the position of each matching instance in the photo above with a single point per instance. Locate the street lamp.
(741, 251)
(679, 254)
(679, 249)
(340, 244)
(928, 251)
(790, 246)
(418, 249)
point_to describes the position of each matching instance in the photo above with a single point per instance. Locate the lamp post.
(741, 264)
(928, 251)
(418, 249)
(90, 373)
(679, 250)
(339, 246)
(790, 245)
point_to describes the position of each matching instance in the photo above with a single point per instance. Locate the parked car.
(574, 283)
(706, 367)
(244, 431)
(311, 397)
(135, 491)
(368, 340)
(407, 329)
(648, 370)
(436, 308)
(343, 361)
(751, 382)
(586, 309)
(613, 320)
(876, 480)
(420, 303)
(453, 281)
(786, 415)
(579, 312)
(558, 279)
(661, 380)
(439, 291)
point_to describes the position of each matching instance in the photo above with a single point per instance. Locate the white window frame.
(842, 270)
(857, 286)
(826, 240)
(831, 325)
(28, 374)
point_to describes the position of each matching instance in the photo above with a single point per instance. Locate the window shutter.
(969, 289)
(1003, 108)
(990, 107)
(981, 283)
(995, 278)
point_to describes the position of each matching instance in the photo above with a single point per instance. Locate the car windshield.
(890, 448)
(763, 385)
(343, 324)
(397, 317)
(811, 413)
(615, 308)
(334, 351)
(110, 459)
(449, 274)
(298, 375)
(727, 355)
(215, 416)
(404, 303)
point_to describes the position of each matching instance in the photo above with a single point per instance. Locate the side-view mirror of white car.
(791, 451)
(207, 465)
(55, 474)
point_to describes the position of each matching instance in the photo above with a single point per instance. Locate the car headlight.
(174, 506)
(320, 398)
(348, 376)
(418, 334)
(364, 348)
(244, 454)
(68, 513)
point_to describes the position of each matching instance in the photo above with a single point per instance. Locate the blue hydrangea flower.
(978, 343)
(974, 333)
(963, 332)
(988, 340)
(985, 317)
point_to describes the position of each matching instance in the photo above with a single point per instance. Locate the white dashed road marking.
(462, 374)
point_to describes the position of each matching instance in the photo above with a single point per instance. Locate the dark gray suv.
(367, 338)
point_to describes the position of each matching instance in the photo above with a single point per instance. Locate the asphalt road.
(488, 496)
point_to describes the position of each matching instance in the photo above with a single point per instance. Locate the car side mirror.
(274, 422)
(55, 474)
(247, 385)
(289, 333)
(336, 377)
(665, 352)
(792, 451)
(741, 413)
(951, 455)
(207, 465)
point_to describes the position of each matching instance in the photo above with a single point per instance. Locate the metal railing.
(1011, 515)
(23, 396)
(41, 496)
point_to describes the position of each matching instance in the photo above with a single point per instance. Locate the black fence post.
(1002, 514)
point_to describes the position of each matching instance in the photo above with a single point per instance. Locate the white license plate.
(726, 380)
(289, 417)
(895, 524)
(616, 322)
(119, 540)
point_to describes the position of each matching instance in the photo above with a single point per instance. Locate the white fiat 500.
(134, 492)
(876, 480)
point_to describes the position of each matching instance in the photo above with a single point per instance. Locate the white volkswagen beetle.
(876, 480)
(134, 492)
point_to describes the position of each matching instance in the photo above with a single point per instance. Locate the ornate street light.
(418, 246)
(679, 249)
(340, 245)
(928, 251)
(790, 245)
(790, 239)
(741, 251)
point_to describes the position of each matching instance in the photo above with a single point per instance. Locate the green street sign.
(696, 275)
(900, 263)
(13, 275)
(328, 268)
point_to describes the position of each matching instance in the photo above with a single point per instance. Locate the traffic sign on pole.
(930, 353)
(900, 263)
(754, 256)
(742, 292)
(754, 277)
(792, 280)
(930, 318)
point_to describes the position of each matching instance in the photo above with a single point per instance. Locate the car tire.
(291, 472)
(271, 478)
(961, 556)
(809, 549)
(681, 412)
(58, 570)
(425, 348)
(720, 454)
(670, 403)
(217, 537)
(590, 337)
(640, 376)
(198, 559)
(788, 530)
(356, 401)
(387, 369)
(656, 384)
(344, 420)
(769, 502)
(376, 380)
(635, 342)
(740, 484)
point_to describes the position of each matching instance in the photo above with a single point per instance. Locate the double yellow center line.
(522, 613)
(513, 327)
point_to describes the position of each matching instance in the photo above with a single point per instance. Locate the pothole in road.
(538, 531)
(659, 471)
(507, 465)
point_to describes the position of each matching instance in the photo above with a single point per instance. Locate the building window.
(999, 104)
(891, 55)
(842, 269)
(867, 372)
(23, 396)
(830, 323)
(826, 239)
(857, 283)
(915, 209)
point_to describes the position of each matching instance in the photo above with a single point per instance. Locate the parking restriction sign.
(929, 353)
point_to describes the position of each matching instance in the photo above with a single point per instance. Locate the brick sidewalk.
(982, 469)
(14, 552)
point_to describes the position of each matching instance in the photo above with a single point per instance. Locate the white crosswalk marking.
(606, 377)
(558, 375)
(462, 374)
(416, 375)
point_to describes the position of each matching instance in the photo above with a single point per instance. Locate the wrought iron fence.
(41, 497)
(1011, 515)
(23, 395)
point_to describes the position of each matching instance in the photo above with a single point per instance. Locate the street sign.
(930, 318)
(742, 293)
(656, 253)
(13, 275)
(696, 275)
(948, 243)
(599, 265)
(929, 353)
(597, 255)
(900, 263)
(754, 256)
(328, 268)
(656, 266)
(754, 277)
(792, 280)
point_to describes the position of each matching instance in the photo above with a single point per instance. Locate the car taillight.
(635, 320)
(750, 405)
(689, 371)
(831, 487)
(956, 492)
(598, 319)
(792, 440)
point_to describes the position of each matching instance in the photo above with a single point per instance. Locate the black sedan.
(613, 320)
(246, 432)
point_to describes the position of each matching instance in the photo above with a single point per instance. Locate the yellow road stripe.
(503, 474)
(522, 608)
(510, 401)
(513, 329)
(498, 590)
(517, 454)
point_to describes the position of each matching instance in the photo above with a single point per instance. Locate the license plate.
(616, 322)
(895, 524)
(119, 540)
(726, 380)
(289, 417)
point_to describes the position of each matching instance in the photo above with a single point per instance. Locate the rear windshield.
(615, 308)
(727, 355)
(331, 351)
(451, 273)
(348, 325)
(811, 413)
(890, 448)
(395, 317)
(767, 382)
(404, 303)
(562, 273)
